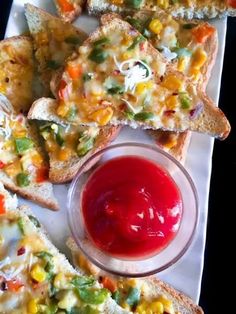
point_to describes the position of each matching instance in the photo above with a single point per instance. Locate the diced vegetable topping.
(65, 5)
(98, 55)
(202, 32)
(22, 179)
(93, 296)
(133, 296)
(23, 144)
(2, 204)
(134, 3)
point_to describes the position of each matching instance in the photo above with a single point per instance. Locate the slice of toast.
(176, 35)
(182, 9)
(69, 10)
(17, 72)
(23, 166)
(54, 41)
(153, 289)
(131, 83)
(64, 169)
(35, 277)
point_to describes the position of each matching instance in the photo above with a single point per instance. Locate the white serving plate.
(186, 274)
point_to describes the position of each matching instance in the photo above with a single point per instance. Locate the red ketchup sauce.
(132, 208)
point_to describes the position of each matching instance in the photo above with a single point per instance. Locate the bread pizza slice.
(68, 145)
(140, 295)
(23, 167)
(190, 47)
(184, 9)
(54, 41)
(69, 10)
(35, 277)
(17, 72)
(118, 78)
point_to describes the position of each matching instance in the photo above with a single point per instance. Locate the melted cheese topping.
(16, 74)
(34, 279)
(175, 40)
(64, 143)
(18, 150)
(54, 45)
(139, 87)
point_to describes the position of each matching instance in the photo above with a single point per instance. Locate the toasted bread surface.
(16, 62)
(196, 9)
(202, 116)
(54, 41)
(60, 171)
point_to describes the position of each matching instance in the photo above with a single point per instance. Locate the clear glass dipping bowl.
(171, 253)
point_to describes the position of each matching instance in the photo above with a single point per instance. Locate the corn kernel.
(102, 116)
(62, 109)
(182, 63)
(199, 58)
(195, 73)
(126, 55)
(164, 4)
(125, 306)
(172, 102)
(127, 40)
(172, 82)
(132, 282)
(167, 304)
(157, 307)
(142, 87)
(141, 308)
(155, 26)
(64, 154)
(32, 306)
(38, 273)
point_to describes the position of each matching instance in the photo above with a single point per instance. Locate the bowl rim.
(183, 170)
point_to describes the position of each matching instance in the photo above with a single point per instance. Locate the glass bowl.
(167, 256)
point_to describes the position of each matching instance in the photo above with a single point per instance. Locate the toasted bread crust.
(30, 195)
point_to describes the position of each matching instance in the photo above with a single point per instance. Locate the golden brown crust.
(30, 195)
